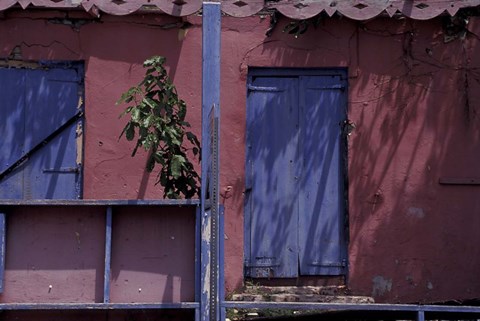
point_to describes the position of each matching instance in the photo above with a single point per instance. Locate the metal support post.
(209, 276)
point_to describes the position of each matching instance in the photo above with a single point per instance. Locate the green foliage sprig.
(157, 117)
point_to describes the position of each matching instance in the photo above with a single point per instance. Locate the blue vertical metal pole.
(198, 219)
(209, 307)
(221, 262)
(421, 315)
(108, 255)
(3, 233)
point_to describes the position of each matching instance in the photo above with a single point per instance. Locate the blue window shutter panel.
(321, 203)
(50, 98)
(12, 129)
(271, 201)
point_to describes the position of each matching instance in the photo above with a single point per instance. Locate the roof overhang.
(295, 9)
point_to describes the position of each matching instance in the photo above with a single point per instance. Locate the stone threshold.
(327, 294)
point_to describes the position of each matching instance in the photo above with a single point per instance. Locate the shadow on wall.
(413, 99)
(416, 125)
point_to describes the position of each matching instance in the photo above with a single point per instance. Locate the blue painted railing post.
(108, 255)
(198, 254)
(3, 236)
(221, 263)
(421, 315)
(209, 298)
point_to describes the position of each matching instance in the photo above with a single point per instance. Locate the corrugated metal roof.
(296, 9)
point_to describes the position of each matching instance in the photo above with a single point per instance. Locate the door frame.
(298, 72)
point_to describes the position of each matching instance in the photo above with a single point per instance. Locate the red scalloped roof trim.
(296, 9)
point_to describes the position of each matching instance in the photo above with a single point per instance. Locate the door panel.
(272, 167)
(39, 104)
(294, 210)
(321, 202)
(52, 99)
(12, 129)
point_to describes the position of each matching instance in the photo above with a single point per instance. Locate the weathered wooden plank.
(272, 171)
(322, 246)
(12, 130)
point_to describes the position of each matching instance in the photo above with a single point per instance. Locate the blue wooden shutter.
(321, 203)
(271, 194)
(48, 99)
(12, 129)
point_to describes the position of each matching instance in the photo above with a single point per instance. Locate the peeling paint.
(410, 280)
(381, 285)
(416, 212)
(79, 141)
(429, 285)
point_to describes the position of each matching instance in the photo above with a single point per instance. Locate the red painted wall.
(56, 255)
(413, 98)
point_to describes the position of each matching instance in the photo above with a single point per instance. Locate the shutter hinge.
(62, 170)
(267, 89)
(329, 264)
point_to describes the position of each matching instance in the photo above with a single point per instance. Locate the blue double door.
(295, 171)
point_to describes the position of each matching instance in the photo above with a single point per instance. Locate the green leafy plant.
(157, 119)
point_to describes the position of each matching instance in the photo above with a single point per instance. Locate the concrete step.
(326, 294)
(301, 298)
(319, 290)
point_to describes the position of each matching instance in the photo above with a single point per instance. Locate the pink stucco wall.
(412, 97)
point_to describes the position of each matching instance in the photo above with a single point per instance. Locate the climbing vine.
(157, 119)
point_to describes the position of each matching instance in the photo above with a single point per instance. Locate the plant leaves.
(130, 131)
(177, 164)
(159, 114)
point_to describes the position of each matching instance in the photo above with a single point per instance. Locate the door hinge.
(329, 264)
(338, 87)
(62, 170)
(267, 89)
